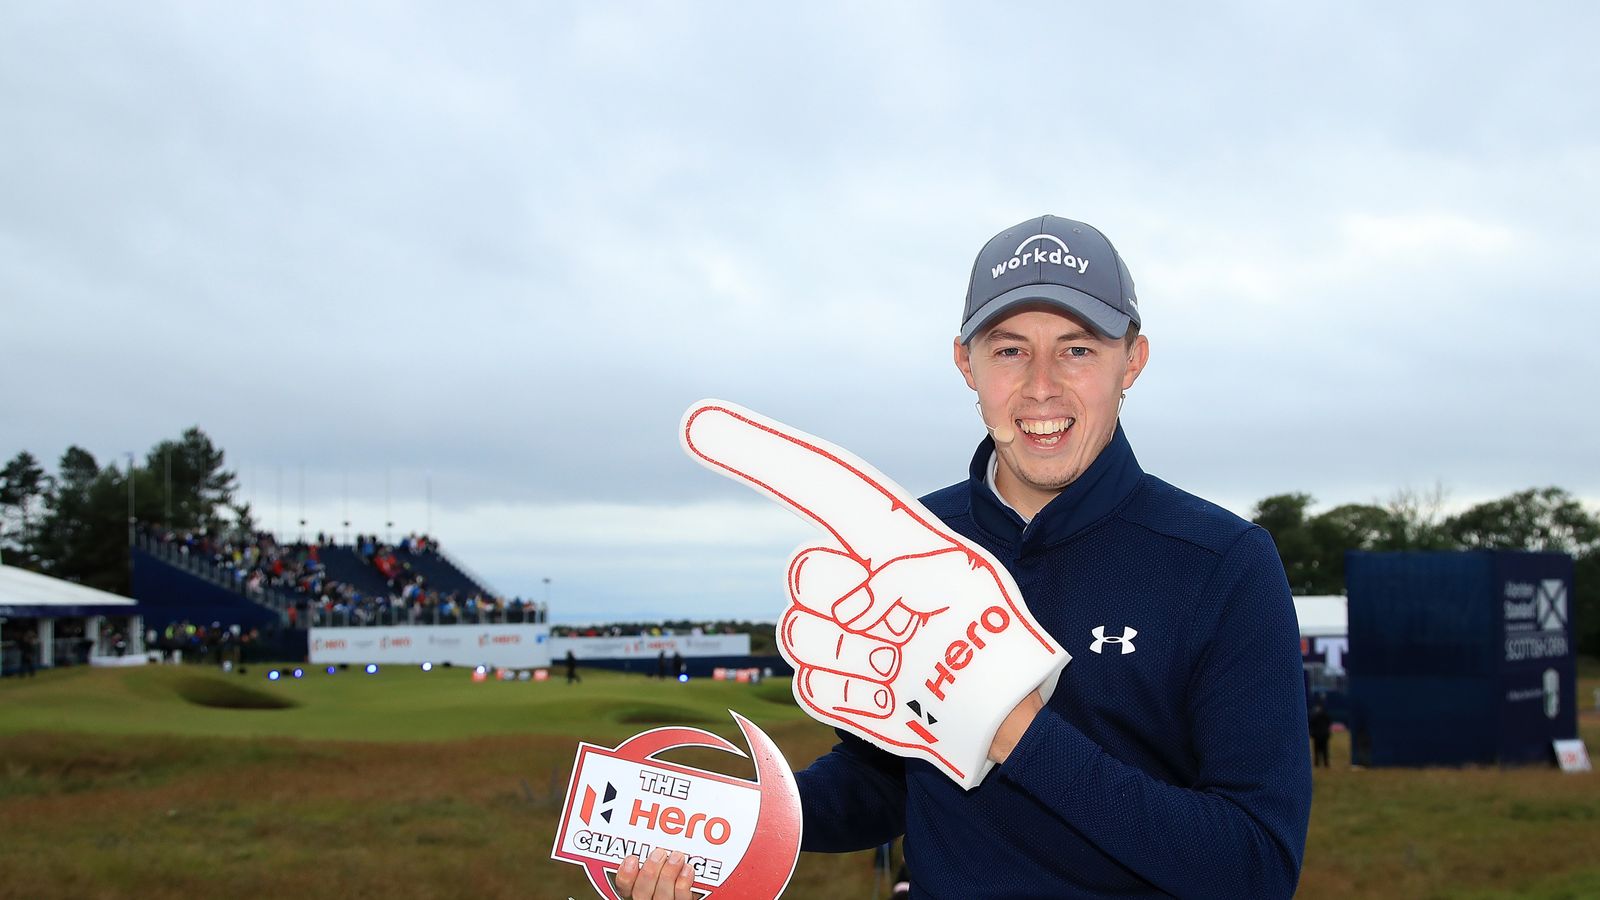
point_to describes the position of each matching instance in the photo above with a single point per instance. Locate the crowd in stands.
(258, 562)
(185, 641)
(410, 591)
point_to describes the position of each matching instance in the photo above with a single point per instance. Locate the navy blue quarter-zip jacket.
(1171, 759)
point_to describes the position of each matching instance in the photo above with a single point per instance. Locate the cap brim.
(1101, 317)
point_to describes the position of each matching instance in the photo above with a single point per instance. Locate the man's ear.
(1138, 357)
(963, 355)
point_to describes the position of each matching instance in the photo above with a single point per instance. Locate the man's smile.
(1045, 432)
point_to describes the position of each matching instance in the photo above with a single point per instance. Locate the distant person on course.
(1170, 760)
(1321, 730)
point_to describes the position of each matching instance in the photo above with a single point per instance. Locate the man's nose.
(1040, 382)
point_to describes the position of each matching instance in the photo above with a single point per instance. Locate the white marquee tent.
(1323, 616)
(29, 595)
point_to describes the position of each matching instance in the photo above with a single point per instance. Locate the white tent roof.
(28, 594)
(1321, 616)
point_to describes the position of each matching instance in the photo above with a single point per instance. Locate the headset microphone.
(1005, 434)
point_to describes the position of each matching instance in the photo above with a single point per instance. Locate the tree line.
(1313, 546)
(75, 523)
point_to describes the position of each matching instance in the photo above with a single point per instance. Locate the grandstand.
(260, 581)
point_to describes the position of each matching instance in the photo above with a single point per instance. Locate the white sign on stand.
(1572, 755)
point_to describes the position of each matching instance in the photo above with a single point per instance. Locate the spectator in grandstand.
(255, 563)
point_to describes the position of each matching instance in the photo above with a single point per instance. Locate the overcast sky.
(463, 266)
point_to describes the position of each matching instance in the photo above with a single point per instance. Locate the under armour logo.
(1125, 639)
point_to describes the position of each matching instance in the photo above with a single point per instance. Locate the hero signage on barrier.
(742, 838)
(648, 646)
(516, 646)
(900, 631)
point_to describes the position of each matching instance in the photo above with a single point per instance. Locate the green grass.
(136, 783)
(400, 703)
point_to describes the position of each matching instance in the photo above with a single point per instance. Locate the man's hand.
(1015, 725)
(663, 876)
(899, 630)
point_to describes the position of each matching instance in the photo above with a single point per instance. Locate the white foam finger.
(835, 695)
(818, 642)
(865, 512)
(898, 626)
(820, 579)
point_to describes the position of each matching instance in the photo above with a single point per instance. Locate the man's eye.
(1077, 352)
(1008, 351)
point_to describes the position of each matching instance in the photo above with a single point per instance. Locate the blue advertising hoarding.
(1460, 658)
(1538, 675)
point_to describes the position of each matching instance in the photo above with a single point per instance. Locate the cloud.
(498, 250)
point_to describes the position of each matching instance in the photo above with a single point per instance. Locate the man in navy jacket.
(1170, 759)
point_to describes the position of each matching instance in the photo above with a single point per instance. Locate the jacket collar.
(1095, 494)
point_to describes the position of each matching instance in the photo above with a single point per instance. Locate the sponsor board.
(741, 838)
(516, 646)
(1535, 614)
(1330, 650)
(650, 647)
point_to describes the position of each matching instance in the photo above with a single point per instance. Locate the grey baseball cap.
(1055, 261)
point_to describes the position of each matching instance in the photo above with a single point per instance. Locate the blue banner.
(1538, 685)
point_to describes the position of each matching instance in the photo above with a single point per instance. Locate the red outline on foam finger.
(818, 712)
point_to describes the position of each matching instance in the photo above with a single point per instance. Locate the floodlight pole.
(388, 510)
(130, 505)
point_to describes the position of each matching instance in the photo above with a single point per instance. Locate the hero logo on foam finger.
(958, 655)
(1059, 255)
